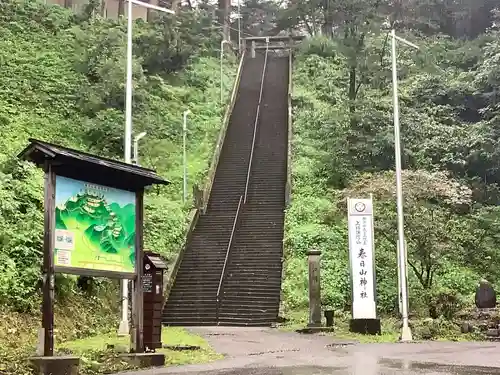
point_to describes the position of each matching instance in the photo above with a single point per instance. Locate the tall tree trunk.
(327, 28)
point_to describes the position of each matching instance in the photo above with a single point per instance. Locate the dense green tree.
(63, 81)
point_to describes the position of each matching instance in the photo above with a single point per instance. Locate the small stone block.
(486, 297)
(492, 332)
(425, 333)
(180, 348)
(143, 360)
(483, 327)
(311, 330)
(466, 327)
(314, 325)
(55, 365)
(314, 252)
(365, 326)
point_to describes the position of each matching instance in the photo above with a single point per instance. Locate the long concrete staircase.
(251, 290)
(230, 273)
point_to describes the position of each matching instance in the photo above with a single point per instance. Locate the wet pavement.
(261, 351)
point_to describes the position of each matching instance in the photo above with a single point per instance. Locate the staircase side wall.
(288, 190)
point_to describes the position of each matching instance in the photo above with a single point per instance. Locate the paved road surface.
(261, 351)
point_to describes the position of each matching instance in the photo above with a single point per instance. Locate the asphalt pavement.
(262, 351)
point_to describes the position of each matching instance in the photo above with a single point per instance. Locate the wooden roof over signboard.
(83, 166)
(156, 260)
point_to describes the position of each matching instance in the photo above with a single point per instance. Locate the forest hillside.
(344, 146)
(63, 81)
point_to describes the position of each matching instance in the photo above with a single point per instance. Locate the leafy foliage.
(343, 146)
(63, 81)
(18, 331)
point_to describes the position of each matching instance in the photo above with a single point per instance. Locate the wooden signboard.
(109, 242)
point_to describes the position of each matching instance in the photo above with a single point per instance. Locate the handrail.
(288, 190)
(256, 120)
(227, 254)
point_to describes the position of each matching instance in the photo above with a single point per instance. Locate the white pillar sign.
(362, 258)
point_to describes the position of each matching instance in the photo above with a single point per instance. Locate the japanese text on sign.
(362, 258)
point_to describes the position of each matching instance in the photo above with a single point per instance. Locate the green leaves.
(63, 80)
(450, 137)
(21, 226)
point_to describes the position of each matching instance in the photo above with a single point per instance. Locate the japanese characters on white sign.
(361, 255)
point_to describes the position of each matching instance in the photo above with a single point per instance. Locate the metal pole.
(184, 156)
(221, 57)
(124, 325)
(239, 26)
(128, 88)
(406, 334)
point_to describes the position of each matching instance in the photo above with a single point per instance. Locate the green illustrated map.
(95, 227)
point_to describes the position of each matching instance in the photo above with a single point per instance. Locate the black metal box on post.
(152, 291)
(93, 226)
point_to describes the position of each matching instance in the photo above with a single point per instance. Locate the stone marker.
(492, 332)
(314, 289)
(486, 297)
(466, 327)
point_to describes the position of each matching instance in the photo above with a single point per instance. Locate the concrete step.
(255, 303)
(187, 322)
(241, 284)
(252, 276)
(192, 308)
(238, 294)
(189, 295)
(231, 320)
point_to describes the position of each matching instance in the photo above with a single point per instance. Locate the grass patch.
(86, 338)
(18, 331)
(441, 329)
(299, 319)
(86, 348)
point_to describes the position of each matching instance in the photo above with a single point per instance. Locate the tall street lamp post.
(124, 325)
(184, 156)
(221, 57)
(406, 334)
(239, 26)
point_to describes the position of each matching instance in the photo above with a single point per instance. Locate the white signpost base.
(362, 262)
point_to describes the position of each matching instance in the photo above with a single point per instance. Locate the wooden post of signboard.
(138, 297)
(48, 262)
